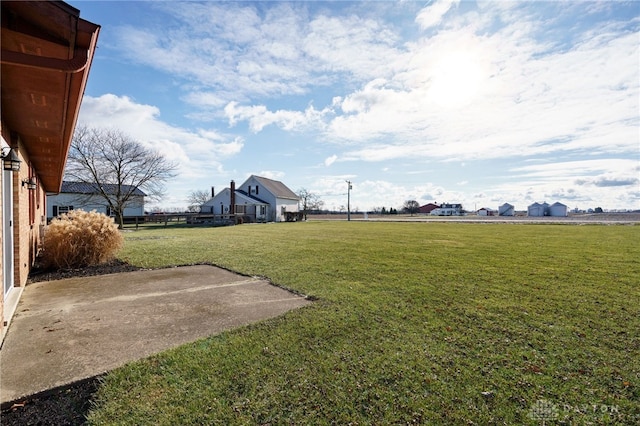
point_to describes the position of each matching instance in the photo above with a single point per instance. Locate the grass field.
(414, 323)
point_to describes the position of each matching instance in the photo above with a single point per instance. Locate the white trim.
(10, 306)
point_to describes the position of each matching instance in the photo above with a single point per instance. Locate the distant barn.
(428, 208)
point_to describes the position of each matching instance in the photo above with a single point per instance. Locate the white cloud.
(259, 117)
(463, 95)
(525, 103)
(270, 174)
(491, 89)
(243, 51)
(432, 15)
(198, 153)
(330, 160)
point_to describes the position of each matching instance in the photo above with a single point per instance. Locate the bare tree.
(310, 201)
(411, 206)
(118, 166)
(197, 198)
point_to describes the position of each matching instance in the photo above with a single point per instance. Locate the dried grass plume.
(80, 238)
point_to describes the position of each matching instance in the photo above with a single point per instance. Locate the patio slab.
(76, 328)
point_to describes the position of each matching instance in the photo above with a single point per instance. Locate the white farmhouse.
(86, 196)
(448, 210)
(258, 199)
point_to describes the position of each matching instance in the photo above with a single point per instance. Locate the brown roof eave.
(82, 45)
(77, 86)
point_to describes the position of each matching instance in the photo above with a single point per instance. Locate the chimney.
(213, 192)
(232, 207)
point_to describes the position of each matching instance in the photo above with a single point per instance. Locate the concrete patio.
(72, 329)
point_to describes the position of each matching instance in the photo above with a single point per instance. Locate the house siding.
(222, 201)
(89, 203)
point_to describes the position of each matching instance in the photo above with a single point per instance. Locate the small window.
(263, 210)
(59, 210)
(256, 189)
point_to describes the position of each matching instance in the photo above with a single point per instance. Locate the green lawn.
(414, 323)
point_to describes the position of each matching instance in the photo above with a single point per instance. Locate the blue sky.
(472, 102)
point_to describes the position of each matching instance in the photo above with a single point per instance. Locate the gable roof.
(277, 188)
(558, 204)
(428, 208)
(92, 188)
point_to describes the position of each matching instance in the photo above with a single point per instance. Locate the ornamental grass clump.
(80, 238)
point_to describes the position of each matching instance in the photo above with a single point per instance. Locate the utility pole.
(349, 187)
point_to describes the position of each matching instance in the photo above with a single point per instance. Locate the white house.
(258, 199)
(506, 210)
(85, 196)
(252, 208)
(448, 210)
(558, 210)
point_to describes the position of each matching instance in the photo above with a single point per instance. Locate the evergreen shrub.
(80, 238)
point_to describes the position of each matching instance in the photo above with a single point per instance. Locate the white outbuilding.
(506, 210)
(538, 210)
(558, 210)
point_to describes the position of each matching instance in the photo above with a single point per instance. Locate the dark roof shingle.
(277, 188)
(92, 188)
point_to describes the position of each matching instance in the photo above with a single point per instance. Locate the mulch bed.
(113, 267)
(66, 405)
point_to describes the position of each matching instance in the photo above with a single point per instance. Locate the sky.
(444, 101)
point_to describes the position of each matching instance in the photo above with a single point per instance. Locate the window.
(263, 210)
(256, 189)
(58, 210)
(240, 208)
